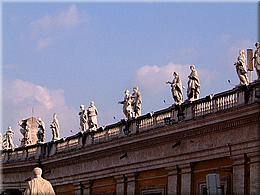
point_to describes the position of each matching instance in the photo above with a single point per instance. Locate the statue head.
(82, 107)
(175, 74)
(127, 92)
(192, 67)
(242, 52)
(257, 44)
(136, 89)
(9, 129)
(37, 172)
(54, 115)
(39, 119)
(92, 103)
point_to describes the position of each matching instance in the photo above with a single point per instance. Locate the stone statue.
(193, 89)
(8, 139)
(41, 131)
(257, 59)
(83, 118)
(127, 105)
(92, 113)
(137, 102)
(1, 141)
(176, 86)
(25, 132)
(55, 127)
(241, 68)
(38, 185)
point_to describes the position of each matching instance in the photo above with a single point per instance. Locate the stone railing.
(169, 116)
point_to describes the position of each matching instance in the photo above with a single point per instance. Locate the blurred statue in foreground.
(257, 59)
(38, 185)
(127, 105)
(41, 131)
(241, 68)
(137, 102)
(83, 118)
(92, 117)
(55, 127)
(193, 90)
(176, 86)
(8, 139)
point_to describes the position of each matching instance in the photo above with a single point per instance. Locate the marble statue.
(193, 89)
(241, 68)
(55, 127)
(25, 132)
(127, 105)
(83, 118)
(257, 59)
(38, 185)
(41, 131)
(176, 86)
(1, 141)
(8, 139)
(92, 113)
(137, 102)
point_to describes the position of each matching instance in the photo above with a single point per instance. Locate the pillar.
(131, 183)
(185, 179)
(254, 175)
(238, 175)
(120, 185)
(172, 181)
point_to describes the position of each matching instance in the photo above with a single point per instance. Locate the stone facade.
(169, 152)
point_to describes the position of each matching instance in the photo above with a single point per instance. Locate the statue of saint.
(83, 118)
(127, 105)
(41, 131)
(55, 127)
(241, 68)
(193, 89)
(92, 113)
(1, 141)
(137, 102)
(8, 139)
(176, 86)
(38, 185)
(25, 132)
(257, 59)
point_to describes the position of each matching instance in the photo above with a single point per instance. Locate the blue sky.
(57, 56)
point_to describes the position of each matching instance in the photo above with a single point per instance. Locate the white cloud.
(44, 43)
(64, 19)
(19, 97)
(153, 77)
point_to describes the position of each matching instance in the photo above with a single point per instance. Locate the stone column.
(131, 180)
(254, 175)
(238, 175)
(82, 188)
(120, 185)
(185, 179)
(172, 181)
(78, 188)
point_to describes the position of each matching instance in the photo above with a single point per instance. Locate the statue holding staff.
(193, 89)
(137, 102)
(41, 131)
(55, 127)
(127, 105)
(241, 68)
(257, 59)
(83, 118)
(92, 113)
(8, 139)
(176, 88)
